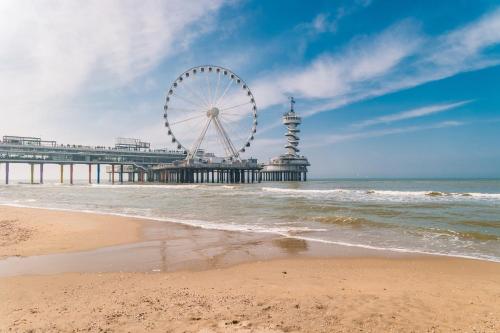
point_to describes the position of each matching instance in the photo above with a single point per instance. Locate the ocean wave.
(347, 221)
(371, 194)
(294, 191)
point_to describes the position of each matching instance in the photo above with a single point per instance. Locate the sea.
(445, 217)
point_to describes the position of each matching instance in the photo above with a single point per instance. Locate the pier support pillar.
(121, 174)
(41, 173)
(7, 173)
(90, 173)
(71, 173)
(32, 173)
(112, 174)
(98, 173)
(62, 173)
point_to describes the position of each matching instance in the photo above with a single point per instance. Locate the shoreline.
(145, 245)
(145, 219)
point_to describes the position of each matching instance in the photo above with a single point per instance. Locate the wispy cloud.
(409, 114)
(328, 22)
(335, 138)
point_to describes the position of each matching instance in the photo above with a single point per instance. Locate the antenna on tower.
(292, 102)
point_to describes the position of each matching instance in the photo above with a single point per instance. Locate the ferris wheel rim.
(233, 78)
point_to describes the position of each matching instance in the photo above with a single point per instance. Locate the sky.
(385, 88)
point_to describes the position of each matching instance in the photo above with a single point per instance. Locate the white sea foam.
(396, 249)
(295, 191)
(383, 194)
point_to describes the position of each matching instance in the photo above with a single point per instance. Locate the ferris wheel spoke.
(187, 119)
(188, 101)
(202, 94)
(209, 91)
(217, 88)
(224, 94)
(230, 114)
(199, 98)
(235, 106)
(184, 110)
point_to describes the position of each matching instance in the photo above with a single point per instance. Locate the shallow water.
(448, 217)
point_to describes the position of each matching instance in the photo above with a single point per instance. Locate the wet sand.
(169, 277)
(27, 232)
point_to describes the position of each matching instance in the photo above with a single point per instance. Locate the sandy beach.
(27, 232)
(232, 282)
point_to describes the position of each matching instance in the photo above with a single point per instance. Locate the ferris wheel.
(211, 109)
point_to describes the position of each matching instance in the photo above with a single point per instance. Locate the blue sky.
(386, 88)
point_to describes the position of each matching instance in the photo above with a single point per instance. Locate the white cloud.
(465, 44)
(328, 22)
(54, 51)
(410, 114)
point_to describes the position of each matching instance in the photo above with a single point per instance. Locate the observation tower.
(290, 166)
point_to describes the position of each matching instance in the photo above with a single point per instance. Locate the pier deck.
(36, 152)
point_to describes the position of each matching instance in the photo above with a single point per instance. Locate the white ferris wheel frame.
(212, 111)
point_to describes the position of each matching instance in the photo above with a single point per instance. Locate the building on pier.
(290, 166)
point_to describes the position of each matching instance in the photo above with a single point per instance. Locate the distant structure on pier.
(290, 166)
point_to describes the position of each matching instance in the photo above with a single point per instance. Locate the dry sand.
(339, 294)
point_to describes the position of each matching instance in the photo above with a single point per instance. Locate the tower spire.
(292, 122)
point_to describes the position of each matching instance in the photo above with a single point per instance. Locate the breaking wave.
(371, 194)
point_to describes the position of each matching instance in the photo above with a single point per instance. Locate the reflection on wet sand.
(291, 245)
(167, 247)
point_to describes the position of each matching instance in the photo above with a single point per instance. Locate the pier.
(128, 156)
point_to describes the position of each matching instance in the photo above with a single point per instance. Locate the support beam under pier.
(41, 173)
(7, 173)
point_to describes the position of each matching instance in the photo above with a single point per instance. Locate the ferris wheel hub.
(213, 112)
